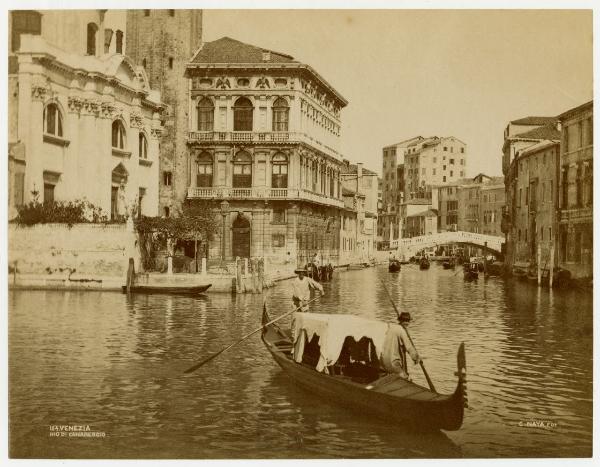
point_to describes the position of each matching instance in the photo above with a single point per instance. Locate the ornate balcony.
(260, 193)
(259, 137)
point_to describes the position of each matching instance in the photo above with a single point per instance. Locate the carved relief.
(108, 110)
(135, 120)
(262, 82)
(75, 103)
(91, 106)
(156, 132)
(223, 83)
(38, 92)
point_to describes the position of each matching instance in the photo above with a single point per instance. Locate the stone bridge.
(408, 247)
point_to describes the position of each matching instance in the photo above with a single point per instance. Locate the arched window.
(279, 177)
(91, 38)
(53, 124)
(119, 41)
(118, 135)
(204, 174)
(280, 115)
(142, 146)
(242, 115)
(206, 115)
(242, 170)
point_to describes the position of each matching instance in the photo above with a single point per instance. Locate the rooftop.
(228, 50)
(353, 168)
(580, 108)
(538, 146)
(534, 121)
(548, 131)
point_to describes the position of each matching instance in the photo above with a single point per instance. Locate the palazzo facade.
(264, 145)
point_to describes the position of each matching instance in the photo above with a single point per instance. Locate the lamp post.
(224, 211)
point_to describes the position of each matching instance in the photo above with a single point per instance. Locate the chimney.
(359, 169)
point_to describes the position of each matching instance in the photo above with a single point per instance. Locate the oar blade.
(204, 362)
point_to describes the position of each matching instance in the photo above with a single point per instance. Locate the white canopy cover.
(333, 329)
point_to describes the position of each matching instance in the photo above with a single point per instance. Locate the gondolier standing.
(301, 289)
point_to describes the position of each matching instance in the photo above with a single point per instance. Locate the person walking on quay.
(301, 286)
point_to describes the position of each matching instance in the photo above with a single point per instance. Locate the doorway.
(240, 244)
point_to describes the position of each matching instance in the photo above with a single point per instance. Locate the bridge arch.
(408, 247)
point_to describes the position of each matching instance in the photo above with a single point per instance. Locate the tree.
(196, 220)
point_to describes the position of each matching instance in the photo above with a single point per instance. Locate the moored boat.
(424, 263)
(394, 266)
(448, 264)
(470, 271)
(364, 386)
(168, 289)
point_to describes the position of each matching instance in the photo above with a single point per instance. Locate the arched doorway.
(240, 242)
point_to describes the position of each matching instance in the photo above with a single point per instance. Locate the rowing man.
(301, 289)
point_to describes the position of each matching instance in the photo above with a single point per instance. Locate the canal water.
(112, 364)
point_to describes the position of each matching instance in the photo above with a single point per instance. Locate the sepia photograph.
(255, 234)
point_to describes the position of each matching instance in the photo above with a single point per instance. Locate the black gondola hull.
(391, 398)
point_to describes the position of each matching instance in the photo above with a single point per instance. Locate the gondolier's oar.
(206, 360)
(429, 382)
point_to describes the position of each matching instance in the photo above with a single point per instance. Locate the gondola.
(424, 263)
(157, 289)
(448, 264)
(394, 265)
(378, 393)
(470, 272)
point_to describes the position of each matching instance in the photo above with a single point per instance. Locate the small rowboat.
(424, 264)
(385, 395)
(449, 264)
(394, 266)
(157, 289)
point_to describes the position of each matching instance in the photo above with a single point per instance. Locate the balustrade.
(261, 193)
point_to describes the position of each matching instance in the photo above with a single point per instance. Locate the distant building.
(411, 168)
(364, 184)
(534, 213)
(445, 198)
(576, 190)
(412, 208)
(519, 135)
(421, 223)
(83, 119)
(491, 206)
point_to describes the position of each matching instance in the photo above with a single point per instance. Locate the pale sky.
(462, 73)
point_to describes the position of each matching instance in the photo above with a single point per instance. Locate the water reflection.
(116, 362)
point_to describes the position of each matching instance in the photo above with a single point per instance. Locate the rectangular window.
(48, 193)
(451, 161)
(451, 173)
(114, 202)
(167, 178)
(462, 150)
(444, 178)
(278, 240)
(278, 216)
(433, 171)
(445, 148)
(19, 189)
(451, 148)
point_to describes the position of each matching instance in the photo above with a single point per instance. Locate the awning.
(333, 330)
